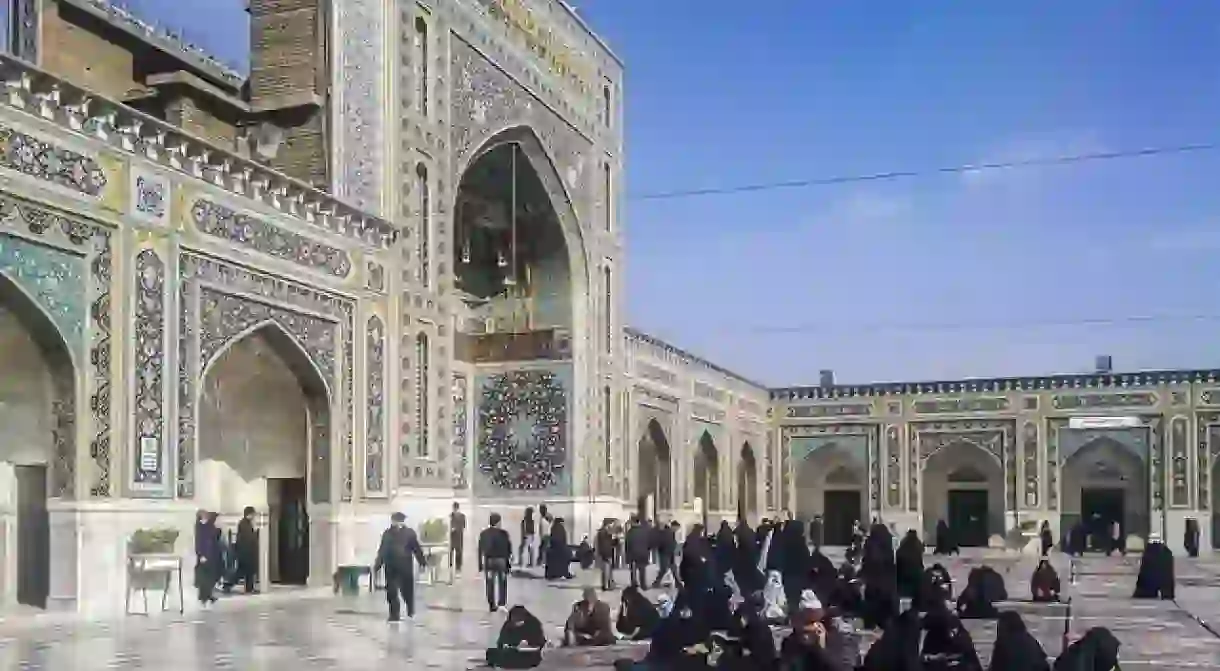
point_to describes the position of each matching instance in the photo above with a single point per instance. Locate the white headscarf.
(810, 600)
(775, 604)
(665, 604)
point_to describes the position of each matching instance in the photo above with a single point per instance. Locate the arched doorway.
(707, 473)
(747, 483)
(260, 397)
(654, 471)
(518, 262)
(830, 484)
(963, 484)
(37, 422)
(1105, 482)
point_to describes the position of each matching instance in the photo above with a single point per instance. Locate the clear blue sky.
(722, 93)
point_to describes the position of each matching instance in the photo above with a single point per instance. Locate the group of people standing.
(218, 561)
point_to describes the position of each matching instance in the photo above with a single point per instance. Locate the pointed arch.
(544, 166)
(654, 467)
(1108, 478)
(283, 439)
(287, 346)
(707, 472)
(747, 482)
(962, 483)
(52, 401)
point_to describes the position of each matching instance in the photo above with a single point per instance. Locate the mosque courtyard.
(452, 625)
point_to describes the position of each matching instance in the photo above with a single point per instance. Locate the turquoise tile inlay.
(55, 279)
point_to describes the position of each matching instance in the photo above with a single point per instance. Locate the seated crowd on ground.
(739, 591)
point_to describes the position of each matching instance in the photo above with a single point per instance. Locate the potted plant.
(433, 532)
(153, 542)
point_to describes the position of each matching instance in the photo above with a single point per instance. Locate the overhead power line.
(977, 325)
(945, 170)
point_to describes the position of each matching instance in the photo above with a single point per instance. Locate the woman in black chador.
(637, 617)
(682, 640)
(1097, 650)
(1044, 585)
(1155, 578)
(1015, 648)
(946, 544)
(1044, 535)
(520, 643)
(910, 564)
(725, 549)
(898, 647)
(745, 561)
(696, 568)
(794, 565)
(558, 554)
(946, 644)
(935, 589)
(753, 646)
(878, 553)
(207, 556)
(1190, 537)
(984, 588)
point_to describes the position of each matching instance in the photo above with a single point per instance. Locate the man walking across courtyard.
(495, 555)
(457, 538)
(399, 547)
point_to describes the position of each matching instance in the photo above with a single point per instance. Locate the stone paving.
(453, 626)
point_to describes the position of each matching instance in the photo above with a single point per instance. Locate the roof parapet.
(78, 110)
(161, 38)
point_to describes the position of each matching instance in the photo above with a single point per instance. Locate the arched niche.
(654, 467)
(747, 482)
(519, 257)
(963, 484)
(1104, 480)
(264, 404)
(707, 472)
(37, 439)
(831, 483)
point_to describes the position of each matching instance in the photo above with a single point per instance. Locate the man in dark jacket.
(457, 538)
(604, 547)
(637, 544)
(399, 546)
(246, 546)
(665, 539)
(495, 556)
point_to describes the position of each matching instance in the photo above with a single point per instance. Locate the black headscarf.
(1155, 578)
(684, 628)
(898, 647)
(521, 630)
(984, 587)
(725, 548)
(756, 644)
(638, 617)
(745, 561)
(1097, 650)
(1044, 584)
(878, 553)
(909, 564)
(947, 644)
(935, 587)
(1015, 648)
(945, 543)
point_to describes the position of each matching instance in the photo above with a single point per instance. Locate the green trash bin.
(347, 579)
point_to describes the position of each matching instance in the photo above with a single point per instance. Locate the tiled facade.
(175, 287)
